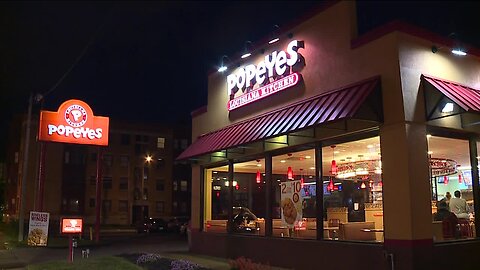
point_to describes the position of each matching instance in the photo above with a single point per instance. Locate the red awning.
(331, 106)
(466, 97)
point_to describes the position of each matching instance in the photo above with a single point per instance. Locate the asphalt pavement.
(168, 245)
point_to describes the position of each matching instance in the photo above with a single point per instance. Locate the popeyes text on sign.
(74, 122)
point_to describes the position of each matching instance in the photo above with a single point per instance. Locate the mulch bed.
(160, 264)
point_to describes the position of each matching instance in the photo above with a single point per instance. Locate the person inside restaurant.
(459, 205)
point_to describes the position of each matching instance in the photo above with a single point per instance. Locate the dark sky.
(148, 61)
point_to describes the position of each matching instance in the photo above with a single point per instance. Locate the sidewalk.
(8, 260)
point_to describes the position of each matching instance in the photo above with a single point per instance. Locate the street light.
(146, 164)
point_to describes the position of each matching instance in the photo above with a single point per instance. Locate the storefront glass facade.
(452, 189)
(351, 190)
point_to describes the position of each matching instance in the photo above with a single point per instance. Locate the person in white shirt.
(458, 205)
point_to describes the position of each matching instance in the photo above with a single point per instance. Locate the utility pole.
(24, 170)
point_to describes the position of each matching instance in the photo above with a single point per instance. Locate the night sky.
(148, 61)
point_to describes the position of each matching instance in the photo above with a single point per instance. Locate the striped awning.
(328, 107)
(464, 96)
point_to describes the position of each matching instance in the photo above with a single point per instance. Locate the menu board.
(291, 203)
(38, 229)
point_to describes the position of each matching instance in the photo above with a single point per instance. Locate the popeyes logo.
(74, 122)
(72, 225)
(274, 73)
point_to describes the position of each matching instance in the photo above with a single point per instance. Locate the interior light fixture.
(448, 107)
(223, 66)
(248, 48)
(290, 173)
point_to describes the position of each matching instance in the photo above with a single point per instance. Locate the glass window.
(73, 205)
(160, 142)
(175, 206)
(124, 161)
(216, 199)
(93, 180)
(452, 192)
(107, 205)
(249, 197)
(107, 182)
(183, 185)
(125, 139)
(67, 157)
(175, 185)
(183, 207)
(160, 185)
(123, 184)
(160, 206)
(184, 143)
(352, 191)
(123, 206)
(293, 181)
(108, 160)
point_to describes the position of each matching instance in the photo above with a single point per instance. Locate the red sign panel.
(72, 225)
(74, 122)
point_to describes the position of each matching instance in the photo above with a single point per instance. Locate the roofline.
(284, 30)
(410, 29)
(198, 111)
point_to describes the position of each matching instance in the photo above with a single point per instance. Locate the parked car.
(151, 225)
(176, 223)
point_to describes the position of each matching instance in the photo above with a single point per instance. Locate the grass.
(100, 263)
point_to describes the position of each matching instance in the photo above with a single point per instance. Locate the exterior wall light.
(448, 107)
(247, 53)
(458, 51)
(223, 65)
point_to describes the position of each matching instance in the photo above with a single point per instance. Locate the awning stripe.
(327, 107)
(466, 97)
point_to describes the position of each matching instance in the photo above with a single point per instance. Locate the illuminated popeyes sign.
(271, 75)
(74, 122)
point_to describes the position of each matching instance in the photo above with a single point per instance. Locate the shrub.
(184, 265)
(243, 263)
(148, 258)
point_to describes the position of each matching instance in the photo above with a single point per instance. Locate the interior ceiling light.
(448, 107)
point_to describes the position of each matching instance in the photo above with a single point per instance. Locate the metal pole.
(319, 210)
(41, 166)
(70, 248)
(475, 179)
(24, 171)
(41, 176)
(98, 199)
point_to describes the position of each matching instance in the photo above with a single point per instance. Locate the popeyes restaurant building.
(364, 133)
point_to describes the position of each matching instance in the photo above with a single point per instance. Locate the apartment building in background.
(140, 177)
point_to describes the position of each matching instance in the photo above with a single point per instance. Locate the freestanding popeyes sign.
(274, 73)
(74, 122)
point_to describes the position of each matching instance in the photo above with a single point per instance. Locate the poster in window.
(291, 203)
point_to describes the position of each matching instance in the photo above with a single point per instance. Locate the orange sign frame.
(71, 225)
(74, 122)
